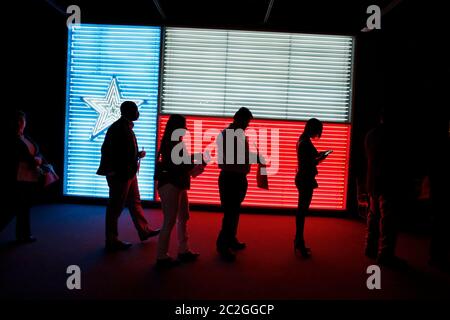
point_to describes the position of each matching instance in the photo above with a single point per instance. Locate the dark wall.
(37, 41)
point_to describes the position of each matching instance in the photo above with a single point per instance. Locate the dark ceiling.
(324, 16)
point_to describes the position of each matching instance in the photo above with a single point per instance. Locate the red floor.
(267, 269)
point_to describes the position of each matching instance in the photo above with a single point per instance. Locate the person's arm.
(25, 154)
(320, 157)
(111, 152)
(38, 157)
(307, 156)
(250, 156)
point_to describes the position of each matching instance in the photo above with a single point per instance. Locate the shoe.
(29, 239)
(238, 246)
(371, 253)
(166, 263)
(392, 262)
(226, 254)
(188, 256)
(117, 246)
(305, 252)
(148, 234)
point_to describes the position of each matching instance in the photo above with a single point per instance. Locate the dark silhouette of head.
(175, 122)
(20, 121)
(313, 128)
(242, 117)
(129, 110)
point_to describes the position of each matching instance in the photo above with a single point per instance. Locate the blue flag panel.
(106, 66)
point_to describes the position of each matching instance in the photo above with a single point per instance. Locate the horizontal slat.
(281, 75)
(97, 54)
(282, 192)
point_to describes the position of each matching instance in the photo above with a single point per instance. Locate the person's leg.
(135, 206)
(170, 196)
(6, 218)
(229, 198)
(388, 227)
(24, 200)
(11, 207)
(388, 235)
(373, 227)
(242, 186)
(118, 192)
(183, 217)
(304, 201)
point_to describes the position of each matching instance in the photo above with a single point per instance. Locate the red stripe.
(332, 177)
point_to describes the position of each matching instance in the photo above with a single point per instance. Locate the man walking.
(119, 163)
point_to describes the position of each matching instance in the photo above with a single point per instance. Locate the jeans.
(381, 226)
(232, 189)
(175, 207)
(24, 193)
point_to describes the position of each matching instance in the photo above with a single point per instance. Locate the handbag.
(48, 174)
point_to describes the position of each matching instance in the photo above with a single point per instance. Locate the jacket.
(119, 151)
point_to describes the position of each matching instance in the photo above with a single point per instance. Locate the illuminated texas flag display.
(107, 65)
(108, 107)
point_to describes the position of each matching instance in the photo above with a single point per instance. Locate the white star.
(108, 108)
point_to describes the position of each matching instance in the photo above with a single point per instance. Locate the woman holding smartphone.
(173, 174)
(305, 180)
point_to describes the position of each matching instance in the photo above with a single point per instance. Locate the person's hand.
(261, 159)
(322, 156)
(38, 161)
(142, 154)
(206, 157)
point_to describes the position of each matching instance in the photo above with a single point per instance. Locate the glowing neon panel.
(106, 66)
(277, 75)
(332, 177)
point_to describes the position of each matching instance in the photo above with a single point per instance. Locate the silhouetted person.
(27, 159)
(305, 180)
(233, 180)
(382, 181)
(439, 191)
(174, 179)
(119, 163)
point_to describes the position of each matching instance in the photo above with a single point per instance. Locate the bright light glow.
(107, 65)
(277, 75)
(333, 172)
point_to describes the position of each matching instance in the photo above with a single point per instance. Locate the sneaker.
(148, 234)
(117, 246)
(238, 246)
(188, 256)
